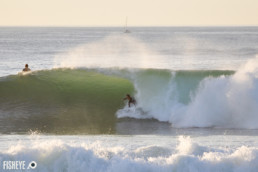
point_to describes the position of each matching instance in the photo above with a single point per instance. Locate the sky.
(139, 12)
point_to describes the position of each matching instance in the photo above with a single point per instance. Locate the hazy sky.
(139, 12)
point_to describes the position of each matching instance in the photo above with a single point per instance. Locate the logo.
(32, 165)
(18, 165)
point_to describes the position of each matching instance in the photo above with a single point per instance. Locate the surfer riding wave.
(130, 100)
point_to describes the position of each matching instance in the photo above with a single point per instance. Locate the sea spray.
(121, 51)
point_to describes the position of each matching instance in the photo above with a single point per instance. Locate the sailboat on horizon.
(126, 30)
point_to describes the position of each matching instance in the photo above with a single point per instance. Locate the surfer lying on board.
(26, 69)
(130, 100)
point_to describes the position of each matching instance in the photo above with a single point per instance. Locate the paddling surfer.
(26, 69)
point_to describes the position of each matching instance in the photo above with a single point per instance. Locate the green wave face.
(182, 85)
(187, 82)
(62, 101)
(86, 101)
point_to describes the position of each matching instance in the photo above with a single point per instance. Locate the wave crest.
(200, 99)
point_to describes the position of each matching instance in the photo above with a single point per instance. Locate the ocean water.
(196, 91)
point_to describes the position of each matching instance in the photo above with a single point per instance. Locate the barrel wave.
(87, 100)
(221, 99)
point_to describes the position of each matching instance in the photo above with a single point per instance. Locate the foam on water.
(95, 154)
(224, 101)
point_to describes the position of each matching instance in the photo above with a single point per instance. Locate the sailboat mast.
(126, 30)
(126, 22)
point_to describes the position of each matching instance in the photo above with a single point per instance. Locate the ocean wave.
(200, 99)
(188, 156)
(61, 101)
(86, 100)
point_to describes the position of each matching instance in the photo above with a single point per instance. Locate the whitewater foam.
(227, 101)
(95, 154)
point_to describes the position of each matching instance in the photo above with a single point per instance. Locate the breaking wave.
(199, 98)
(59, 155)
(86, 100)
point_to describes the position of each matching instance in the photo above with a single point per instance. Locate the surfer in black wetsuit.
(130, 100)
(26, 69)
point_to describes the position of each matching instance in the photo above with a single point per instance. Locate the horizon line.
(128, 26)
